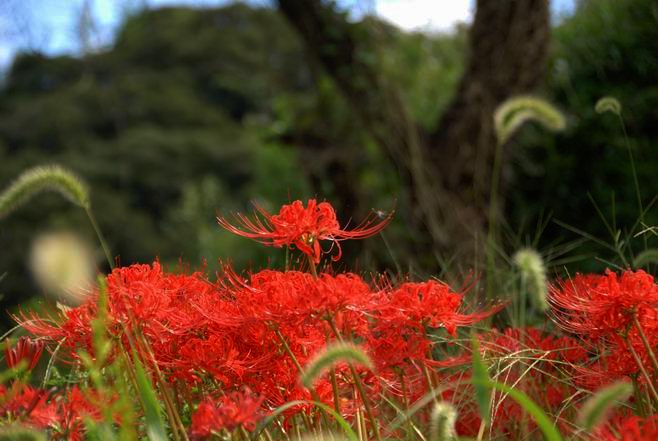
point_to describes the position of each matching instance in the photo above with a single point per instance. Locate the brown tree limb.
(448, 170)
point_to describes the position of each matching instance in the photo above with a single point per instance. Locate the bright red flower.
(602, 305)
(303, 227)
(26, 349)
(432, 304)
(237, 409)
(628, 428)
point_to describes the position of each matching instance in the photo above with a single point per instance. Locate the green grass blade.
(351, 435)
(481, 382)
(646, 257)
(155, 428)
(544, 423)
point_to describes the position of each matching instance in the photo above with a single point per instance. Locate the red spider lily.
(602, 305)
(303, 227)
(26, 349)
(238, 409)
(628, 428)
(62, 413)
(431, 304)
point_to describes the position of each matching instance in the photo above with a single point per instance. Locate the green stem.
(646, 344)
(284, 343)
(334, 387)
(359, 385)
(311, 265)
(405, 400)
(100, 236)
(640, 365)
(493, 212)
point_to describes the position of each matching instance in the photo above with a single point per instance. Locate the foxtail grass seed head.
(39, 179)
(533, 273)
(442, 424)
(596, 409)
(331, 355)
(516, 111)
(63, 266)
(608, 104)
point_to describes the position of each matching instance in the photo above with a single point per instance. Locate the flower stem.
(640, 365)
(405, 400)
(284, 343)
(359, 385)
(311, 265)
(101, 238)
(646, 344)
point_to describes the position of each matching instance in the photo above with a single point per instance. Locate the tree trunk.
(448, 172)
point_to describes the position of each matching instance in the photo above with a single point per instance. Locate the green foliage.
(17, 433)
(606, 49)
(183, 97)
(481, 382)
(344, 425)
(544, 423)
(155, 427)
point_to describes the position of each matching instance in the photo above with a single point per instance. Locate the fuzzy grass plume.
(39, 179)
(442, 423)
(597, 407)
(608, 104)
(330, 356)
(533, 274)
(516, 111)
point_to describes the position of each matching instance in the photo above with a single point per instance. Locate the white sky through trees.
(53, 26)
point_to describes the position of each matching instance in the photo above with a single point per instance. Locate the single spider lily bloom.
(601, 305)
(303, 227)
(237, 409)
(26, 349)
(433, 304)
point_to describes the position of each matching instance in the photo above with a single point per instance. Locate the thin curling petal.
(302, 227)
(25, 349)
(600, 305)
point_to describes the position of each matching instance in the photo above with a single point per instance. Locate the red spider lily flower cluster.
(237, 345)
(236, 331)
(616, 316)
(62, 414)
(539, 364)
(603, 305)
(249, 335)
(303, 227)
(240, 408)
(628, 428)
(27, 350)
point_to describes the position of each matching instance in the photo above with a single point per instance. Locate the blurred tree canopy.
(194, 111)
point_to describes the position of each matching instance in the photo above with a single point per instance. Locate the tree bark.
(448, 171)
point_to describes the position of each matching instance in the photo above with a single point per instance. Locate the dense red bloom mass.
(431, 304)
(303, 227)
(26, 349)
(600, 305)
(63, 413)
(241, 408)
(628, 428)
